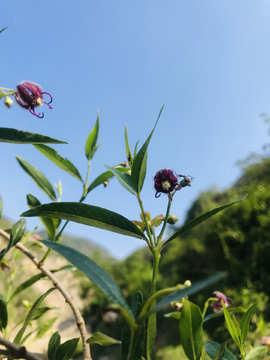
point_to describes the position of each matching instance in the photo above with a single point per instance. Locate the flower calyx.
(217, 303)
(29, 96)
(8, 102)
(172, 219)
(152, 223)
(166, 181)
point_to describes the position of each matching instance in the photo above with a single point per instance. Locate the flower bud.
(8, 102)
(139, 225)
(172, 219)
(148, 216)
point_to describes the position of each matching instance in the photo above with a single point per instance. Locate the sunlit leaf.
(40, 179)
(244, 323)
(18, 231)
(91, 142)
(24, 137)
(198, 220)
(87, 215)
(58, 160)
(94, 272)
(124, 179)
(128, 152)
(138, 170)
(66, 350)
(104, 177)
(102, 340)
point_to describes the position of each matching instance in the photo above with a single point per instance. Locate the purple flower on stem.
(29, 96)
(217, 306)
(165, 182)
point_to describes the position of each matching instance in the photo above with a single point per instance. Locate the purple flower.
(266, 341)
(217, 306)
(29, 96)
(165, 182)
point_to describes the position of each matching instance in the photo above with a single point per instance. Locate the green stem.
(146, 222)
(165, 221)
(206, 306)
(152, 299)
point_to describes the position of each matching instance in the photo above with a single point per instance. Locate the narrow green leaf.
(231, 326)
(66, 350)
(91, 142)
(198, 220)
(48, 223)
(4, 29)
(135, 149)
(35, 278)
(138, 170)
(191, 333)
(58, 160)
(41, 311)
(53, 346)
(244, 323)
(221, 351)
(18, 231)
(175, 315)
(124, 179)
(88, 215)
(94, 272)
(128, 152)
(212, 347)
(231, 311)
(30, 316)
(44, 328)
(104, 177)
(24, 137)
(38, 177)
(179, 294)
(3, 315)
(102, 340)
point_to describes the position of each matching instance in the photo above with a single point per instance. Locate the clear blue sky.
(207, 60)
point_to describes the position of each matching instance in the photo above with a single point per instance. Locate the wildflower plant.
(140, 316)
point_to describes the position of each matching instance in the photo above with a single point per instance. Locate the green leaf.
(41, 311)
(102, 340)
(4, 29)
(175, 315)
(24, 137)
(232, 328)
(38, 177)
(258, 353)
(231, 311)
(135, 149)
(58, 160)
(212, 347)
(30, 316)
(17, 231)
(179, 294)
(53, 346)
(128, 152)
(91, 142)
(198, 220)
(88, 215)
(44, 328)
(124, 179)
(191, 333)
(35, 278)
(16, 234)
(221, 351)
(104, 177)
(3, 315)
(244, 323)
(135, 305)
(94, 272)
(66, 350)
(48, 223)
(138, 170)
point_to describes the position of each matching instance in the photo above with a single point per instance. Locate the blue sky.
(208, 61)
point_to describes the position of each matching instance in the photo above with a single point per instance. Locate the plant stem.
(165, 220)
(146, 222)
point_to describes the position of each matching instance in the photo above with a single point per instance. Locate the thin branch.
(19, 352)
(61, 288)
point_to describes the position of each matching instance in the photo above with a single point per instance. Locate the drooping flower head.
(165, 182)
(29, 96)
(217, 306)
